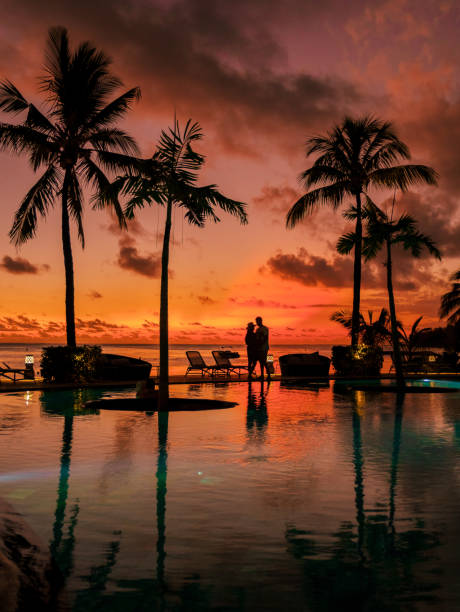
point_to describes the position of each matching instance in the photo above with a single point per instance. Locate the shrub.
(67, 364)
(362, 361)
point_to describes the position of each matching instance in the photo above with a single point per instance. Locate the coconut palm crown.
(75, 141)
(170, 178)
(354, 156)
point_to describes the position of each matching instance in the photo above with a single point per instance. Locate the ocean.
(14, 354)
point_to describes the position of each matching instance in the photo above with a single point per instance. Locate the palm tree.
(356, 155)
(371, 333)
(450, 301)
(169, 178)
(75, 141)
(383, 232)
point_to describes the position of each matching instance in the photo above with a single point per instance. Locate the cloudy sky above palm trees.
(260, 77)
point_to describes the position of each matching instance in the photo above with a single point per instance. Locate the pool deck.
(177, 379)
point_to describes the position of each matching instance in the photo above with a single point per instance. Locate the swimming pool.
(299, 498)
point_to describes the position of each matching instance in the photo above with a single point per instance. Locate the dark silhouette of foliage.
(371, 333)
(450, 301)
(355, 155)
(75, 141)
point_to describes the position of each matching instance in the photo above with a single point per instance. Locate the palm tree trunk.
(394, 326)
(163, 394)
(68, 265)
(357, 274)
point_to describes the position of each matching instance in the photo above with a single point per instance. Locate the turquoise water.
(299, 498)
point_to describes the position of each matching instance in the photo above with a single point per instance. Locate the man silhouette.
(262, 347)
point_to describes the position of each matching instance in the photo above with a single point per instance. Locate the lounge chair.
(224, 363)
(12, 373)
(197, 363)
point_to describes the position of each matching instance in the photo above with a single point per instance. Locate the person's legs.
(266, 367)
(261, 361)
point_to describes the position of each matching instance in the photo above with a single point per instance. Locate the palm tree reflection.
(380, 569)
(161, 475)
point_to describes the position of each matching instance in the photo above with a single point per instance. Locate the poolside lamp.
(29, 370)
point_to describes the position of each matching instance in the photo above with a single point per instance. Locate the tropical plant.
(356, 155)
(450, 301)
(75, 140)
(414, 339)
(169, 178)
(371, 333)
(384, 232)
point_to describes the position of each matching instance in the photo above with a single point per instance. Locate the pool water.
(299, 498)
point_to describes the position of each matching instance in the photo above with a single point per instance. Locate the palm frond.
(36, 202)
(450, 301)
(113, 111)
(404, 176)
(117, 162)
(75, 204)
(175, 151)
(114, 139)
(329, 195)
(38, 121)
(20, 138)
(11, 99)
(321, 174)
(106, 193)
(200, 203)
(346, 243)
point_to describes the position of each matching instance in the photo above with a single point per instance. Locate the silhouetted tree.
(384, 232)
(169, 178)
(355, 155)
(75, 141)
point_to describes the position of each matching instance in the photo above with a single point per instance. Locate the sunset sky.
(260, 77)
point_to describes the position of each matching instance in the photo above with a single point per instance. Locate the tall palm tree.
(355, 155)
(169, 178)
(75, 141)
(450, 301)
(384, 232)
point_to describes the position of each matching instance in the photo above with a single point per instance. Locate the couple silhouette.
(257, 348)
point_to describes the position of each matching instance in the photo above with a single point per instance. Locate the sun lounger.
(224, 363)
(197, 363)
(12, 373)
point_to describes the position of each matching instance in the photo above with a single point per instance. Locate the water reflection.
(257, 414)
(354, 475)
(375, 567)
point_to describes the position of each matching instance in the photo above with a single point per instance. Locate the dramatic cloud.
(18, 265)
(129, 259)
(311, 270)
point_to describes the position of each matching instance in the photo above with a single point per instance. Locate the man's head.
(259, 321)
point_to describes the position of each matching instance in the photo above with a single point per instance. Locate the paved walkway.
(38, 384)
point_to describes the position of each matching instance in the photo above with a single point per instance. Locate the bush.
(67, 364)
(362, 361)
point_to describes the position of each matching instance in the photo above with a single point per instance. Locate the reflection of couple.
(257, 347)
